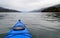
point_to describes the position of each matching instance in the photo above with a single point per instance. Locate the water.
(41, 25)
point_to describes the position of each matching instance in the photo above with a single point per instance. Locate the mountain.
(39, 10)
(55, 8)
(7, 10)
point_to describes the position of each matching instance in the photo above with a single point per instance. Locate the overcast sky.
(27, 5)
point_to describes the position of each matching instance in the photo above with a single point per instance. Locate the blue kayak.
(19, 30)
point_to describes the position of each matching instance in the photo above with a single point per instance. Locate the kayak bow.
(19, 30)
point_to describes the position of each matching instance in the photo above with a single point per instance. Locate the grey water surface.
(41, 25)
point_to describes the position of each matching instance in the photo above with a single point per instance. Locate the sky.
(27, 5)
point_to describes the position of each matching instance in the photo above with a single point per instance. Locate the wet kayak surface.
(40, 24)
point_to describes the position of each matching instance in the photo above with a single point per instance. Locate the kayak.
(19, 30)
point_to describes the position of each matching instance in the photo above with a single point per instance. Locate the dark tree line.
(52, 9)
(7, 10)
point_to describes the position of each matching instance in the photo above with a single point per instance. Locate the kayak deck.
(19, 33)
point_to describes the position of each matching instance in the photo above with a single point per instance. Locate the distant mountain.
(39, 10)
(57, 5)
(7, 10)
(55, 8)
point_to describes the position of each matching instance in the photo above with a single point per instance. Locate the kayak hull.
(19, 33)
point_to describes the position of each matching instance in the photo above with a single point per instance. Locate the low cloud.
(27, 5)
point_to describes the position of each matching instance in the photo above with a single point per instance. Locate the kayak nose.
(19, 26)
(19, 23)
(19, 20)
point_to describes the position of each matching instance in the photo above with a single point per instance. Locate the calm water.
(41, 25)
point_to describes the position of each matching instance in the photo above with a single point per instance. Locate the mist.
(27, 5)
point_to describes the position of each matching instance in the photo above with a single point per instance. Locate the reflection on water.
(2, 16)
(41, 25)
